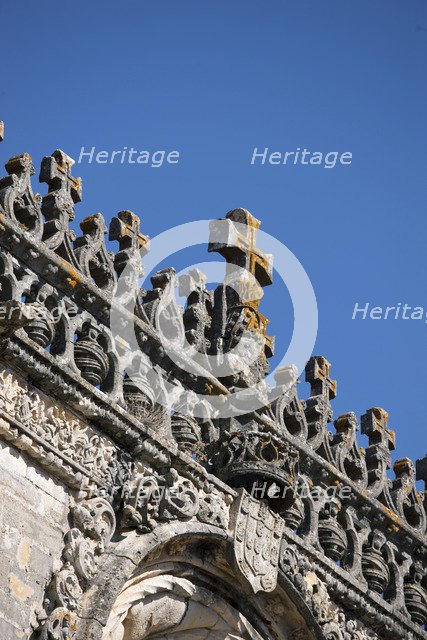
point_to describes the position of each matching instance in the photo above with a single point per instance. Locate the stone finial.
(406, 498)
(421, 469)
(17, 199)
(133, 245)
(235, 239)
(378, 459)
(375, 426)
(58, 204)
(317, 373)
(197, 315)
(56, 172)
(404, 467)
(248, 270)
(91, 253)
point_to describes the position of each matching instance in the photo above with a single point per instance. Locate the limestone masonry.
(124, 518)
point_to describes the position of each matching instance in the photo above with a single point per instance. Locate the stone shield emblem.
(257, 537)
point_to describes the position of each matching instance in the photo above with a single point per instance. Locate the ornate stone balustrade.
(298, 503)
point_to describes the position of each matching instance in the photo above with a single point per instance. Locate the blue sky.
(213, 80)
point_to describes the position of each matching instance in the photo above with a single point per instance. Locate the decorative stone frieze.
(56, 438)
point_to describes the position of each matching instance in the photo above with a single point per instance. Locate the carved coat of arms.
(257, 537)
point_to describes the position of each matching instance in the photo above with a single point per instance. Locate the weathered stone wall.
(33, 519)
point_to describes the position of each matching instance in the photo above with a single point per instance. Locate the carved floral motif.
(61, 430)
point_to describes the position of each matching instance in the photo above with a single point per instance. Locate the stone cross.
(235, 239)
(125, 228)
(375, 426)
(248, 270)
(317, 373)
(56, 172)
(58, 203)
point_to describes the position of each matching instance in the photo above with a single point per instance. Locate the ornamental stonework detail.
(38, 425)
(271, 523)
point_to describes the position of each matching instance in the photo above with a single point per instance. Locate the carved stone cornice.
(59, 440)
(298, 558)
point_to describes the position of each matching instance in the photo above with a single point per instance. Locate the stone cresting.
(301, 513)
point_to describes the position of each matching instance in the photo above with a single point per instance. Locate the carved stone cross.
(317, 373)
(375, 426)
(58, 204)
(235, 239)
(56, 172)
(248, 270)
(125, 228)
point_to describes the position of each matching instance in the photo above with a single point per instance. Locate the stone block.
(46, 483)
(12, 460)
(10, 632)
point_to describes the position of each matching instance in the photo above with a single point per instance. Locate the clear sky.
(213, 80)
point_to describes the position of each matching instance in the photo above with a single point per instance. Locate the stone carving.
(236, 307)
(374, 563)
(254, 457)
(66, 588)
(173, 607)
(149, 500)
(349, 457)
(335, 623)
(73, 440)
(318, 407)
(61, 625)
(91, 254)
(257, 537)
(94, 524)
(16, 196)
(378, 459)
(125, 228)
(108, 435)
(415, 594)
(405, 496)
(198, 313)
(58, 204)
(90, 357)
(214, 507)
(187, 432)
(332, 537)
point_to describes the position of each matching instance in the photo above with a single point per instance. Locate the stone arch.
(175, 608)
(176, 583)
